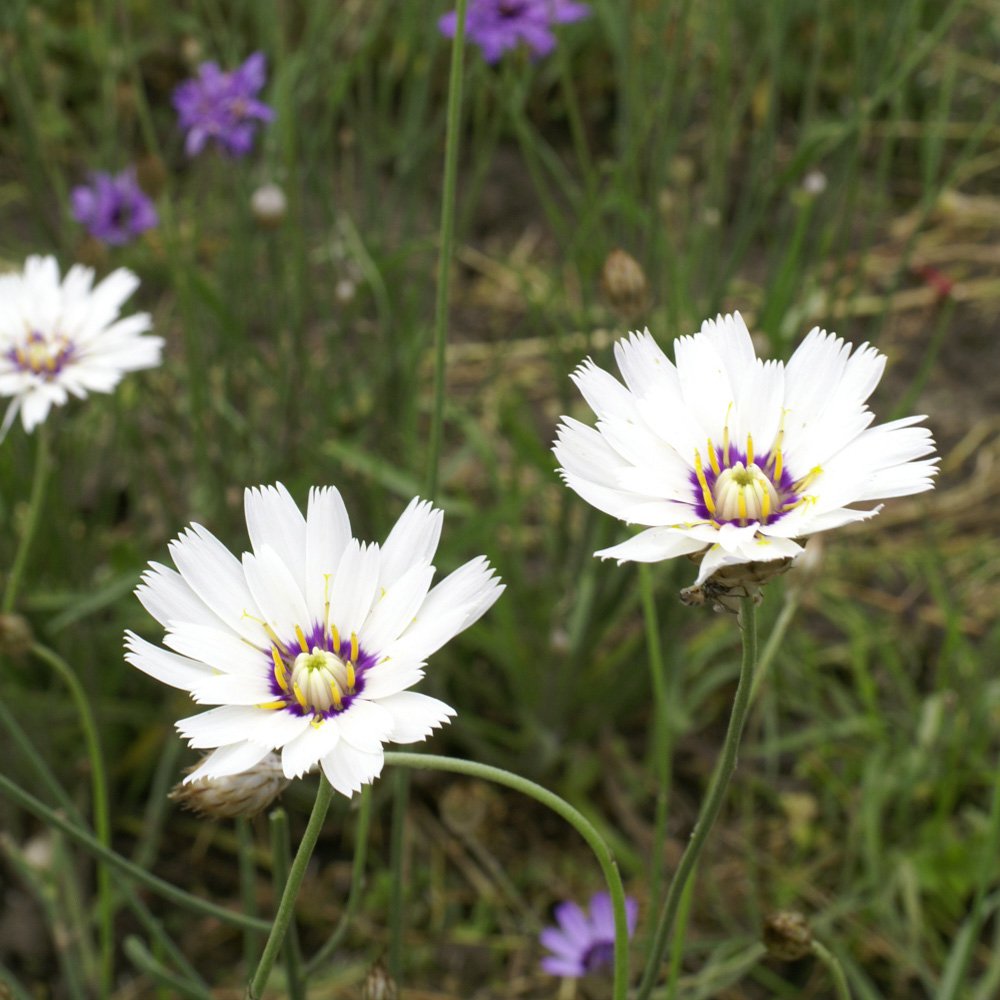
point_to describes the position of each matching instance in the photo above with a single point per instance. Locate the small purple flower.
(223, 106)
(113, 207)
(584, 942)
(499, 25)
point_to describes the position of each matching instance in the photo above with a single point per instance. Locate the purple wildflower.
(223, 106)
(499, 25)
(584, 942)
(113, 207)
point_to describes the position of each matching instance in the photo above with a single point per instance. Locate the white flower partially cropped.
(66, 338)
(310, 643)
(728, 454)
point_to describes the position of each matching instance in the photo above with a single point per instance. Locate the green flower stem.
(286, 906)
(152, 925)
(43, 464)
(281, 862)
(662, 742)
(248, 886)
(835, 969)
(141, 958)
(101, 806)
(574, 817)
(452, 135)
(357, 883)
(86, 840)
(711, 804)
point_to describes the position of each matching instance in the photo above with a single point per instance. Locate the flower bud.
(725, 588)
(624, 285)
(787, 936)
(379, 985)
(16, 638)
(244, 794)
(269, 206)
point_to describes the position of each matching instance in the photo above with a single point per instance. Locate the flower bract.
(310, 642)
(222, 107)
(584, 941)
(62, 338)
(113, 208)
(722, 453)
(497, 26)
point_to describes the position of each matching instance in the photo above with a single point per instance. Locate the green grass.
(682, 132)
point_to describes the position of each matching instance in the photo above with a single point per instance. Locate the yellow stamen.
(271, 634)
(713, 458)
(279, 669)
(338, 701)
(335, 636)
(725, 442)
(778, 464)
(706, 493)
(808, 478)
(765, 505)
(351, 676)
(326, 599)
(316, 721)
(354, 647)
(741, 506)
(300, 635)
(299, 696)
(272, 704)
(749, 450)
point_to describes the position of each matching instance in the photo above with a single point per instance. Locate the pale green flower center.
(744, 493)
(320, 680)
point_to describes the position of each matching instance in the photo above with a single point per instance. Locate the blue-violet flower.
(584, 942)
(113, 208)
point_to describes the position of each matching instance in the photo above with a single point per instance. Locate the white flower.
(734, 456)
(58, 339)
(308, 645)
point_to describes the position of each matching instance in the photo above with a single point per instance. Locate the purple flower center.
(740, 487)
(598, 956)
(42, 355)
(317, 673)
(512, 8)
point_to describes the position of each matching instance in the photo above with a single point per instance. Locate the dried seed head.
(16, 638)
(379, 985)
(269, 206)
(624, 285)
(787, 936)
(725, 588)
(245, 794)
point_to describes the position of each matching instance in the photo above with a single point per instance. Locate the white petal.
(328, 530)
(220, 726)
(353, 587)
(300, 756)
(220, 649)
(396, 608)
(758, 550)
(177, 671)
(228, 689)
(646, 369)
(653, 545)
(365, 725)
(415, 716)
(348, 769)
(413, 540)
(276, 593)
(216, 576)
(275, 521)
(232, 759)
(390, 676)
(165, 595)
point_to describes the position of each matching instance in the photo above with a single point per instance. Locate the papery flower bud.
(245, 794)
(624, 284)
(269, 206)
(787, 936)
(379, 985)
(16, 637)
(728, 586)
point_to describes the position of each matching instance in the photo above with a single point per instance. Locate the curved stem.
(86, 840)
(101, 806)
(357, 882)
(43, 462)
(835, 969)
(712, 803)
(574, 817)
(286, 906)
